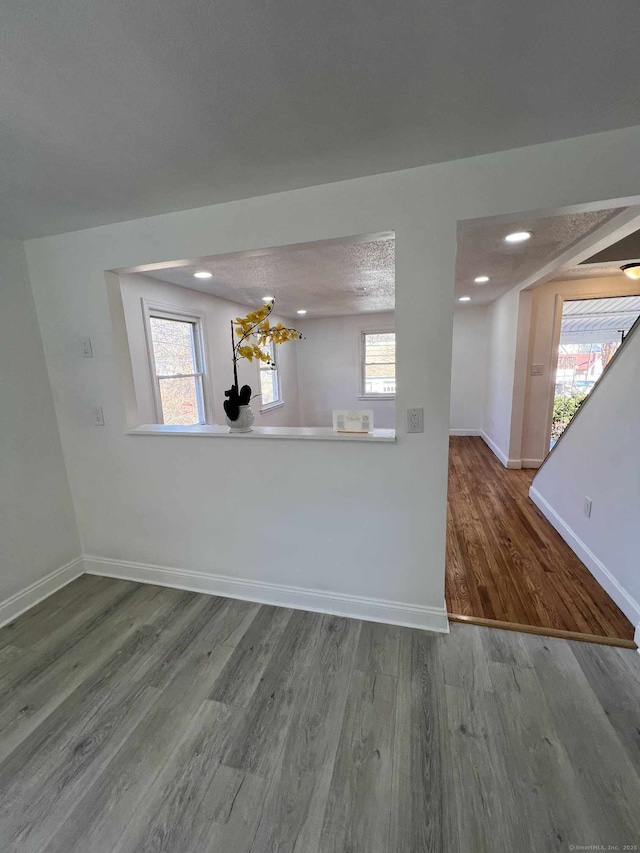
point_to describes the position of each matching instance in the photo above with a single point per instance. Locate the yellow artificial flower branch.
(256, 325)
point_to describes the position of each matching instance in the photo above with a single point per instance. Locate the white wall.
(329, 369)
(469, 369)
(546, 315)
(218, 313)
(599, 458)
(502, 320)
(340, 519)
(38, 533)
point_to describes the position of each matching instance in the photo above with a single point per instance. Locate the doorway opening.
(591, 333)
(536, 323)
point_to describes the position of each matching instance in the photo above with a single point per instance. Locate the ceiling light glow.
(464, 299)
(632, 271)
(268, 298)
(302, 311)
(518, 237)
(203, 274)
(481, 279)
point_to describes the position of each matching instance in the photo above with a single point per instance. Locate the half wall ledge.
(296, 433)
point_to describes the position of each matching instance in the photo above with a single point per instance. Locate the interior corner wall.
(502, 353)
(329, 368)
(598, 458)
(520, 373)
(363, 524)
(469, 369)
(218, 313)
(346, 523)
(545, 325)
(38, 533)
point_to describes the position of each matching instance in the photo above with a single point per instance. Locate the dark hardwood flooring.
(135, 719)
(506, 563)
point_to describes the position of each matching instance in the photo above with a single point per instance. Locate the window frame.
(362, 393)
(165, 311)
(267, 407)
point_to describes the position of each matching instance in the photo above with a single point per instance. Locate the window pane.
(269, 386)
(380, 363)
(269, 381)
(179, 398)
(380, 348)
(173, 346)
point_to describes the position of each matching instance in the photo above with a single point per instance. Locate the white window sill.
(304, 433)
(270, 406)
(376, 397)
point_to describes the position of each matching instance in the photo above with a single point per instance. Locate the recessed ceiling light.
(481, 279)
(203, 274)
(268, 298)
(518, 237)
(302, 311)
(464, 299)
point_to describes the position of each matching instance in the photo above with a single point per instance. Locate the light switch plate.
(86, 350)
(98, 416)
(537, 369)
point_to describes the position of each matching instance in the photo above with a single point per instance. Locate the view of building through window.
(379, 363)
(177, 369)
(591, 333)
(269, 378)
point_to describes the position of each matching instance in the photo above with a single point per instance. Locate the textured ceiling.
(114, 110)
(327, 278)
(483, 251)
(607, 262)
(354, 276)
(605, 270)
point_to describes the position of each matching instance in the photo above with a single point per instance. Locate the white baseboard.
(46, 586)
(338, 604)
(508, 463)
(532, 463)
(636, 637)
(622, 598)
(465, 432)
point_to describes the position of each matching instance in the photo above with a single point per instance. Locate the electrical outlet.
(415, 420)
(86, 350)
(98, 416)
(587, 506)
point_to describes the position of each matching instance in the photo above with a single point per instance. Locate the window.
(270, 379)
(176, 356)
(378, 364)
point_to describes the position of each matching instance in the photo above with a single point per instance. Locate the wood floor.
(135, 718)
(506, 562)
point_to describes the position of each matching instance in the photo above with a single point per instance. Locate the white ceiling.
(482, 249)
(357, 275)
(607, 262)
(604, 270)
(113, 110)
(326, 278)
